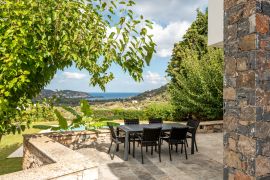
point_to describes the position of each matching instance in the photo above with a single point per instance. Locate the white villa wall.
(215, 23)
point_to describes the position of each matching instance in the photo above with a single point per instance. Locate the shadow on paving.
(200, 166)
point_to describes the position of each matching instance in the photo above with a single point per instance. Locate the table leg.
(192, 143)
(126, 146)
(117, 133)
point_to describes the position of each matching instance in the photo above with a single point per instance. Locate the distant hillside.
(140, 101)
(63, 94)
(73, 98)
(155, 93)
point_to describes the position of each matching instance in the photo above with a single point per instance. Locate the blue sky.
(171, 19)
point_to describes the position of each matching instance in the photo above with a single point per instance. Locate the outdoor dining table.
(138, 128)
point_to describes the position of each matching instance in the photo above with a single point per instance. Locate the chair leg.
(185, 151)
(176, 149)
(181, 148)
(129, 147)
(133, 149)
(196, 145)
(151, 150)
(110, 147)
(186, 142)
(142, 152)
(146, 148)
(170, 152)
(159, 151)
(112, 156)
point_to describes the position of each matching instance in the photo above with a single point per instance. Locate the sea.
(111, 95)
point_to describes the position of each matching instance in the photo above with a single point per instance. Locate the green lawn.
(10, 143)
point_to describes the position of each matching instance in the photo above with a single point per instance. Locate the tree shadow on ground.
(11, 164)
(42, 127)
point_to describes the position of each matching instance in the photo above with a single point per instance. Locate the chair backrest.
(193, 123)
(131, 121)
(155, 121)
(151, 134)
(178, 133)
(113, 135)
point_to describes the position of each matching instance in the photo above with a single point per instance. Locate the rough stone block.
(265, 147)
(246, 80)
(265, 7)
(232, 159)
(247, 146)
(248, 42)
(230, 123)
(263, 130)
(230, 67)
(248, 113)
(262, 23)
(242, 64)
(232, 144)
(229, 94)
(242, 176)
(262, 166)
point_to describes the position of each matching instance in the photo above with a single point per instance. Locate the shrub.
(114, 114)
(160, 110)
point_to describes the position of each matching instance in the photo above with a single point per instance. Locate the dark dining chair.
(194, 124)
(155, 120)
(114, 139)
(177, 136)
(131, 121)
(149, 137)
(132, 137)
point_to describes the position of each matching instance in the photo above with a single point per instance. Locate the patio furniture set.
(153, 135)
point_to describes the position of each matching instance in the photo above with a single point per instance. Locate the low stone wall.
(45, 158)
(78, 139)
(34, 157)
(210, 127)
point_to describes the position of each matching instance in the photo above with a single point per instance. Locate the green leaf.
(63, 124)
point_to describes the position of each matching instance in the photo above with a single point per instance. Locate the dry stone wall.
(247, 90)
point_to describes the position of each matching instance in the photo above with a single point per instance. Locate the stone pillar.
(247, 90)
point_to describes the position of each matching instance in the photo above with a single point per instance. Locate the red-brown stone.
(248, 42)
(262, 23)
(242, 176)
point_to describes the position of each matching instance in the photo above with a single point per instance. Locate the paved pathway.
(203, 165)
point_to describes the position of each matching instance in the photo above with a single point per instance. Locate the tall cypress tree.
(196, 73)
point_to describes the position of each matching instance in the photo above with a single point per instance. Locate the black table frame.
(138, 128)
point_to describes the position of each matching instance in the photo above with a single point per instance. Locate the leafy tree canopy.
(39, 37)
(195, 39)
(196, 73)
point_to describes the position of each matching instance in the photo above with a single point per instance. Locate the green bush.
(114, 114)
(160, 110)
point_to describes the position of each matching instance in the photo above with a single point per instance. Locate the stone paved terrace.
(203, 165)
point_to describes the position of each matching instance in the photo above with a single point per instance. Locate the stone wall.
(33, 157)
(78, 139)
(246, 90)
(210, 127)
(45, 158)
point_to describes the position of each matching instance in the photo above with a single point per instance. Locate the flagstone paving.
(203, 165)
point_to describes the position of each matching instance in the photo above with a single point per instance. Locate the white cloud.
(154, 78)
(165, 37)
(73, 75)
(166, 11)
(172, 18)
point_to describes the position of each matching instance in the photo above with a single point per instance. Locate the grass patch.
(10, 143)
